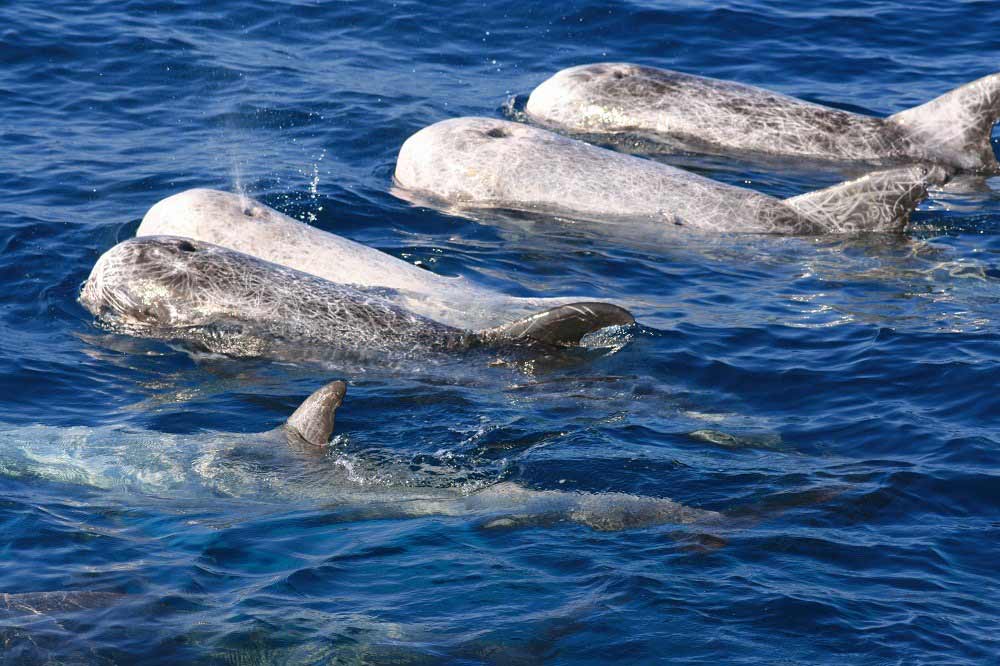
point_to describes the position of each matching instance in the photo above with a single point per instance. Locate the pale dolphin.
(482, 163)
(244, 224)
(678, 110)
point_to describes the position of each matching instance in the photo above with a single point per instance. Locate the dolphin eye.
(150, 314)
(186, 246)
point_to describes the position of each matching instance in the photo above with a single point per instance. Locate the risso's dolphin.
(294, 464)
(60, 601)
(683, 111)
(480, 163)
(243, 224)
(227, 302)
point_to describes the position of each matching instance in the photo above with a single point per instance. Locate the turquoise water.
(835, 397)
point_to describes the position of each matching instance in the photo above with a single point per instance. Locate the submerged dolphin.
(293, 464)
(59, 601)
(710, 115)
(232, 303)
(486, 163)
(248, 226)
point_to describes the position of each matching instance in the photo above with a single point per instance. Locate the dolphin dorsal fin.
(564, 325)
(957, 125)
(879, 201)
(313, 420)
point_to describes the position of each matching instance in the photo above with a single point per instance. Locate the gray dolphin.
(294, 463)
(109, 461)
(715, 116)
(476, 163)
(232, 303)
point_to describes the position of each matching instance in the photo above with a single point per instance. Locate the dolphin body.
(289, 464)
(227, 302)
(245, 225)
(59, 601)
(672, 110)
(485, 163)
(294, 464)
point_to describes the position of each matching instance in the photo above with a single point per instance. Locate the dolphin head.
(197, 213)
(158, 282)
(466, 159)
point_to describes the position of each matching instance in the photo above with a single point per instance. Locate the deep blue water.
(855, 379)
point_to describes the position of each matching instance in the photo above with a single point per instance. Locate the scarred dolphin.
(483, 163)
(227, 302)
(685, 111)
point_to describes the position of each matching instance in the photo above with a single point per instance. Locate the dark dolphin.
(232, 303)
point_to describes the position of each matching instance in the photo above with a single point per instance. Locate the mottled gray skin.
(233, 303)
(488, 163)
(243, 224)
(709, 115)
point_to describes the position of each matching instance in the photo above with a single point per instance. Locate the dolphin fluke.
(957, 125)
(313, 420)
(878, 201)
(563, 326)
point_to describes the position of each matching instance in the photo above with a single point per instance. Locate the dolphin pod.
(226, 274)
(487, 163)
(701, 114)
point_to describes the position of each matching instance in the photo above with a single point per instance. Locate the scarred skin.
(682, 111)
(233, 303)
(246, 225)
(489, 163)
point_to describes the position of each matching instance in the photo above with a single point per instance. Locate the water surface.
(842, 389)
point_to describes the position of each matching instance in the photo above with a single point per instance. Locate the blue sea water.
(838, 393)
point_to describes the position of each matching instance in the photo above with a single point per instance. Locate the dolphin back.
(668, 111)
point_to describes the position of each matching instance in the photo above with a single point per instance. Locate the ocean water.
(835, 397)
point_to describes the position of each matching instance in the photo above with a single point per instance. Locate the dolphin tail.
(312, 422)
(957, 125)
(562, 326)
(878, 201)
